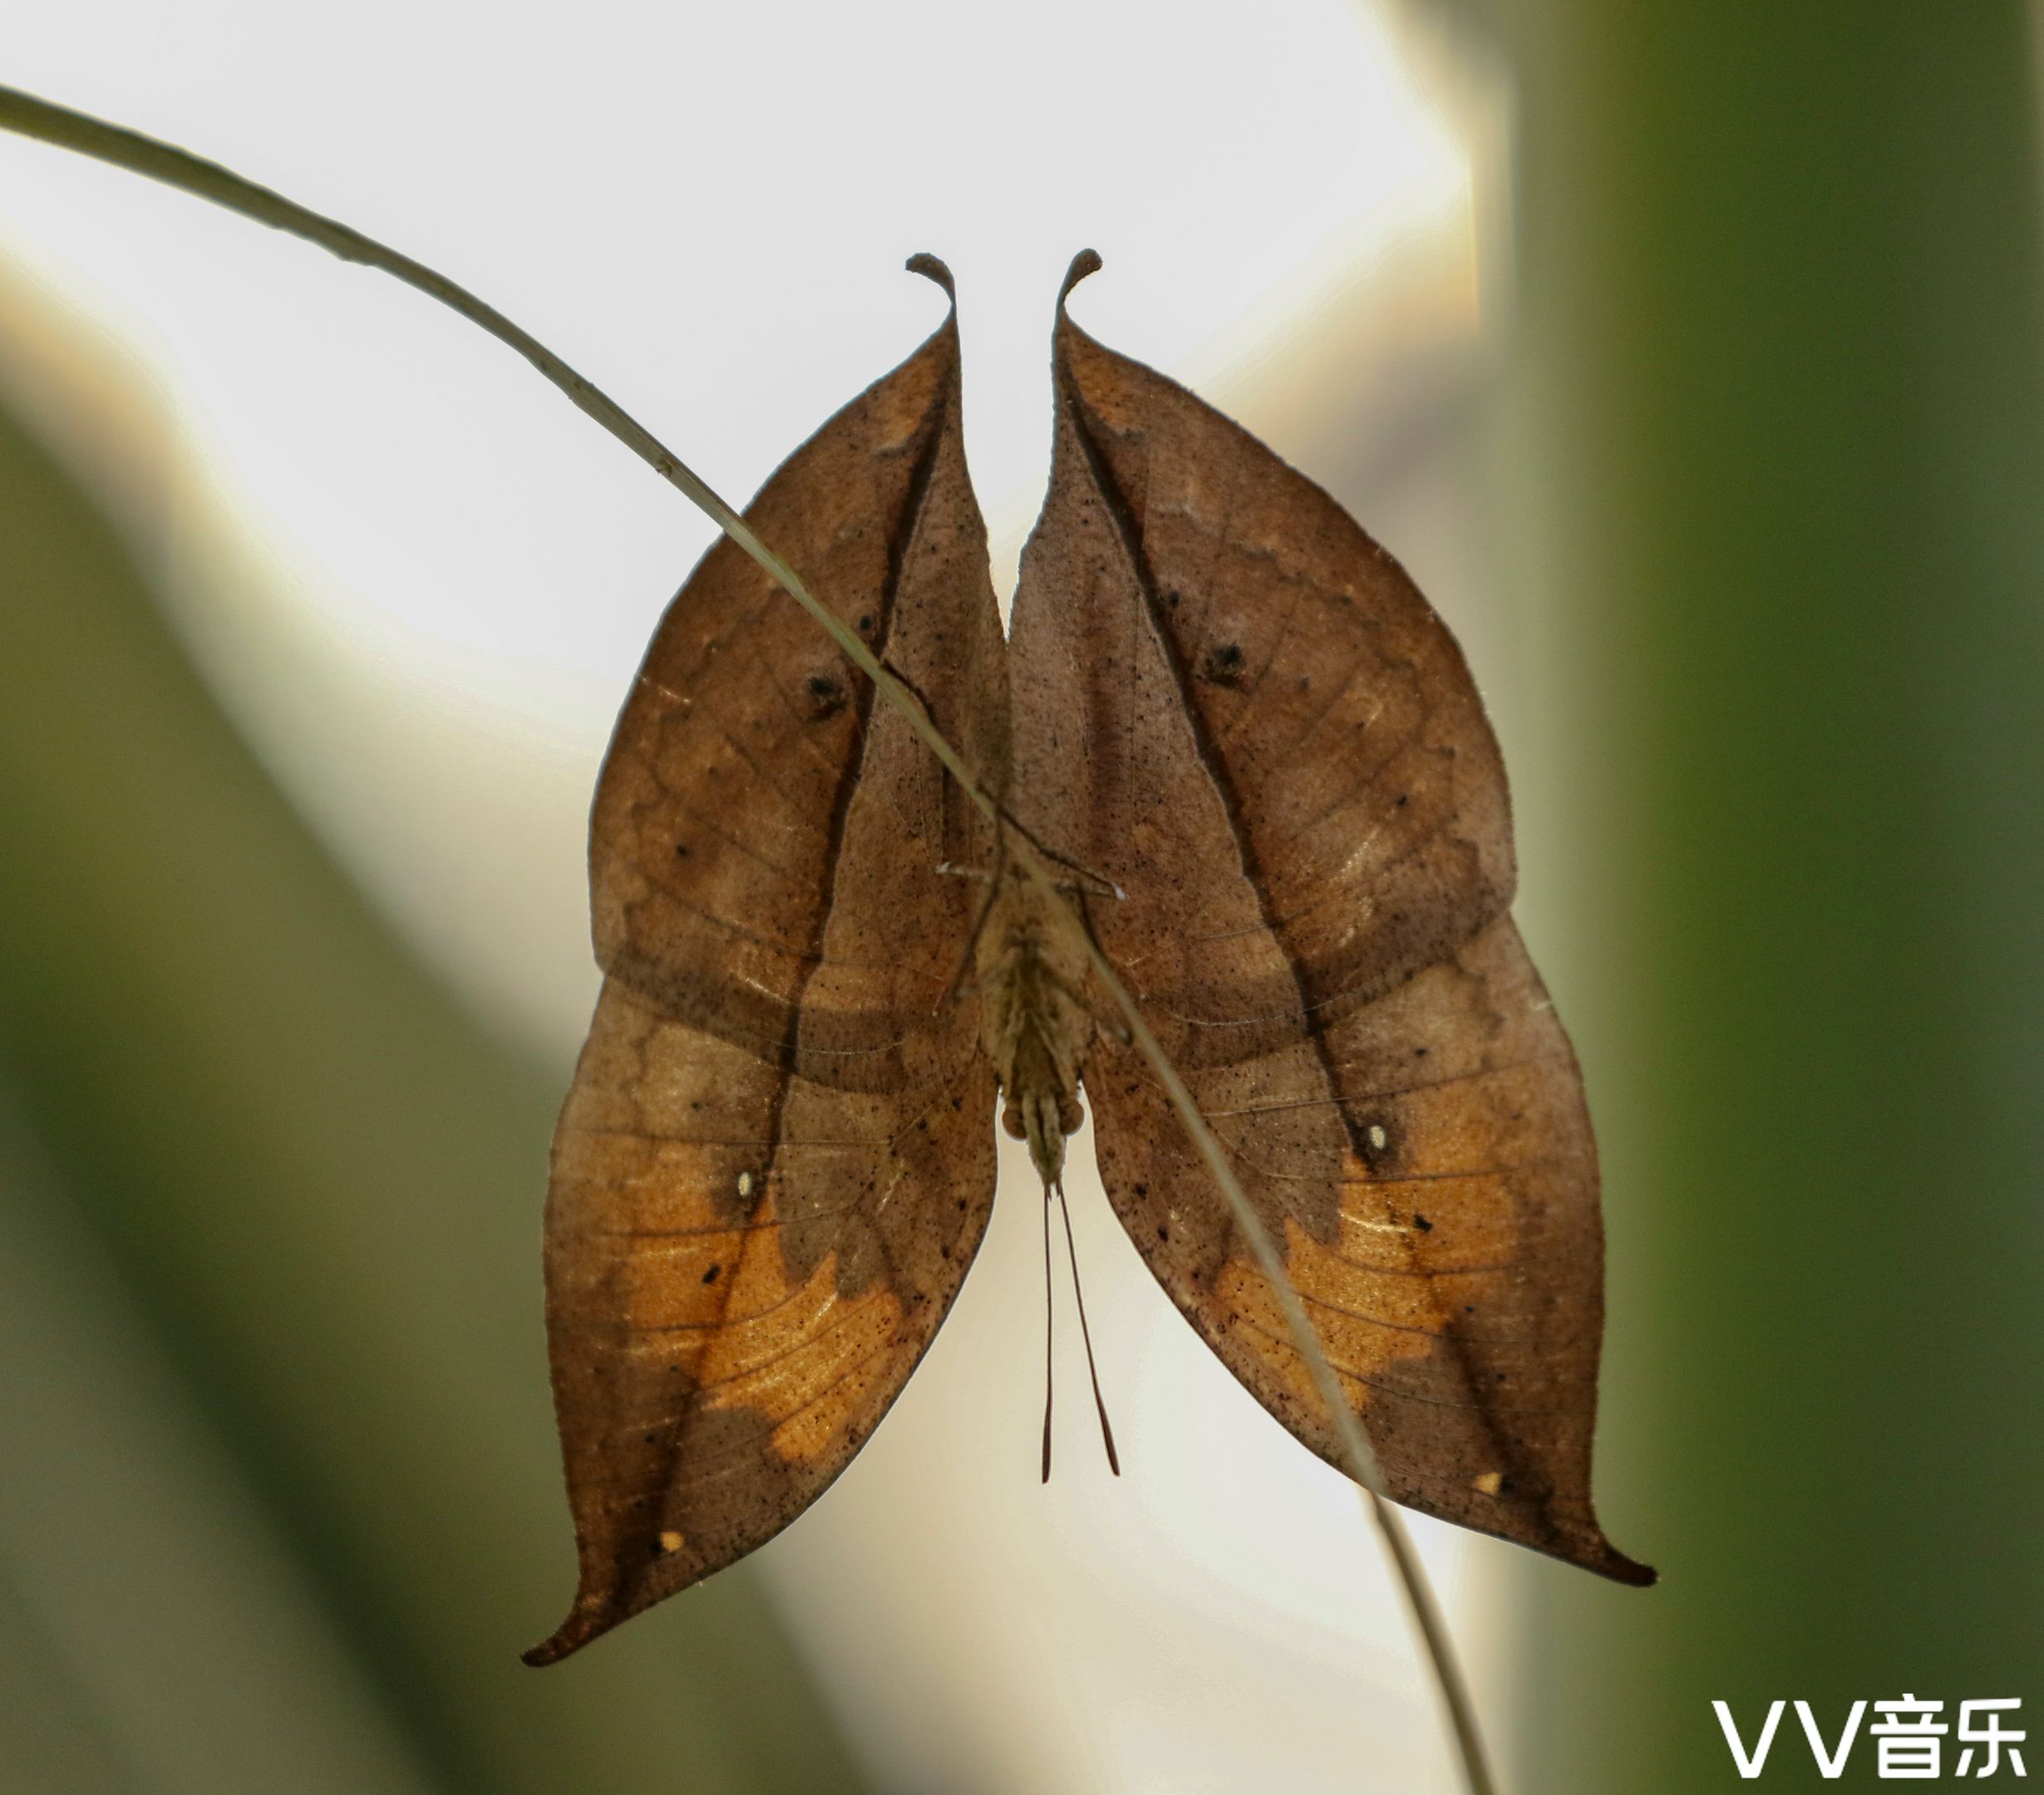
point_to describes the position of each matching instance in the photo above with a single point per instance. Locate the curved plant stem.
(1438, 1645)
(31, 117)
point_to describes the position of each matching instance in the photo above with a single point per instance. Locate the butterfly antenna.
(1106, 1432)
(1049, 1316)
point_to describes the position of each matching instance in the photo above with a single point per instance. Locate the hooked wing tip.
(1607, 1561)
(585, 1621)
(548, 1652)
(1632, 1573)
(551, 1651)
(1085, 262)
(930, 267)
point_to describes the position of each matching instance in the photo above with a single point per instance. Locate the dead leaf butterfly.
(1233, 716)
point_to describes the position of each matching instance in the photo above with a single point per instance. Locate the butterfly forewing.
(776, 1160)
(1235, 707)
(718, 839)
(1199, 621)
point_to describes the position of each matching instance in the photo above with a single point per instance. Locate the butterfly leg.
(957, 982)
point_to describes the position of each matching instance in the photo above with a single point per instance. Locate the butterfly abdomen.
(1033, 1029)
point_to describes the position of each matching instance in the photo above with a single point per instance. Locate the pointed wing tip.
(930, 267)
(1085, 262)
(583, 1624)
(1574, 1540)
(1608, 1561)
(552, 1651)
(1631, 1573)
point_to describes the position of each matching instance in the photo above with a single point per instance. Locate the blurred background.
(1692, 359)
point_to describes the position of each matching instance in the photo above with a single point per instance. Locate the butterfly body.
(1035, 1030)
(1235, 711)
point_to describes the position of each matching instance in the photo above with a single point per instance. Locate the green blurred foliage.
(272, 1225)
(1780, 437)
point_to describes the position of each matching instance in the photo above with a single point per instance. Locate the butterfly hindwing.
(1427, 1163)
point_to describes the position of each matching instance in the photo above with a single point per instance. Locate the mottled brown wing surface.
(1235, 706)
(776, 1160)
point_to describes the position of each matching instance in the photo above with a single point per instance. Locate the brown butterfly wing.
(1234, 705)
(776, 1160)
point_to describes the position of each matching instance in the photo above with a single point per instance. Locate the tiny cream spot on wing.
(1356, 857)
(1378, 1138)
(669, 693)
(744, 1184)
(670, 1542)
(1488, 1484)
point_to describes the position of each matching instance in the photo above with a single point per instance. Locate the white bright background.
(422, 583)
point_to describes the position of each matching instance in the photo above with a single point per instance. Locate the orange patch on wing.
(1366, 1321)
(812, 1430)
(624, 1179)
(713, 1297)
(668, 1272)
(800, 1355)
